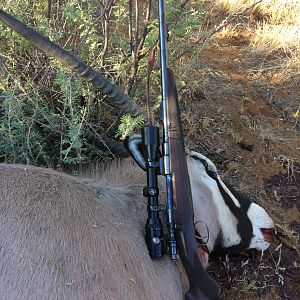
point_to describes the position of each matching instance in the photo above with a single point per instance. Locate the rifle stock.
(202, 286)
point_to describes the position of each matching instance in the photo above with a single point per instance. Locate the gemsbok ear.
(210, 167)
(133, 144)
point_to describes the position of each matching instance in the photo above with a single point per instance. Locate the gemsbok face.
(242, 223)
(225, 220)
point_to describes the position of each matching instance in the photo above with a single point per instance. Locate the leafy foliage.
(48, 117)
(129, 125)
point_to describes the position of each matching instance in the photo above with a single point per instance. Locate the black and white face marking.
(245, 228)
(244, 224)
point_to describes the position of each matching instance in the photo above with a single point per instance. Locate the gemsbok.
(67, 238)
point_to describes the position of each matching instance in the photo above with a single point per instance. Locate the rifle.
(179, 206)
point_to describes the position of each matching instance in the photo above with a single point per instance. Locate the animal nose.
(268, 234)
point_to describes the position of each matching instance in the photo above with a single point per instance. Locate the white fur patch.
(228, 221)
(211, 166)
(210, 207)
(259, 219)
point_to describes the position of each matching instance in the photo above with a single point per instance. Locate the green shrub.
(49, 117)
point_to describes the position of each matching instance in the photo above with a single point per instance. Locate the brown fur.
(62, 238)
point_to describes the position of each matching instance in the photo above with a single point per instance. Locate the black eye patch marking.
(244, 226)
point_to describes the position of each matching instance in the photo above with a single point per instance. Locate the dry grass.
(270, 38)
(275, 33)
(276, 11)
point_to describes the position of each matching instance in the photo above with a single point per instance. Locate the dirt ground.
(244, 120)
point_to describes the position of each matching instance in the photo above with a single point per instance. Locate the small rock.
(247, 145)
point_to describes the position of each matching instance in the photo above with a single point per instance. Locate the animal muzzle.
(268, 234)
(202, 247)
